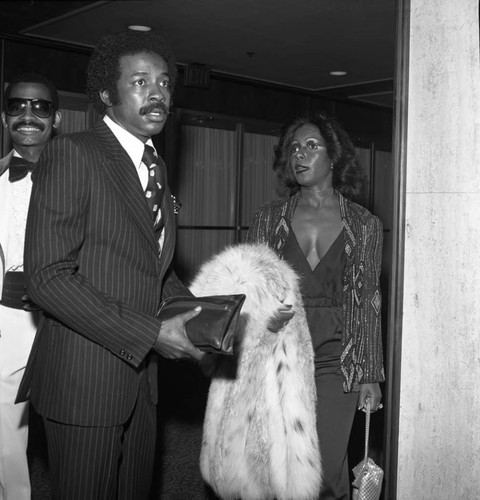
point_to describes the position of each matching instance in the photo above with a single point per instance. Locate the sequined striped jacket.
(362, 352)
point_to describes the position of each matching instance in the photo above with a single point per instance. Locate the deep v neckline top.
(321, 281)
(324, 282)
(334, 246)
(322, 295)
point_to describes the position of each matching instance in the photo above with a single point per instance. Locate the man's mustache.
(157, 106)
(38, 125)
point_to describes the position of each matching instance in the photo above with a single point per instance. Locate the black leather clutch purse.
(213, 330)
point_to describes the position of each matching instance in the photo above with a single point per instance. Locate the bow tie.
(19, 168)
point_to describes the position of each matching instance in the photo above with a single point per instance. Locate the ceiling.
(293, 43)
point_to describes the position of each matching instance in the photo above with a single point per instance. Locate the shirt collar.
(133, 146)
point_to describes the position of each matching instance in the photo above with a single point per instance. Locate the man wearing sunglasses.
(29, 116)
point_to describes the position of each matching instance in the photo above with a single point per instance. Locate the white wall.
(439, 436)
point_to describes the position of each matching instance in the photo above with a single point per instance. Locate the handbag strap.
(367, 430)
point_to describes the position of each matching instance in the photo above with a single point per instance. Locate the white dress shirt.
(134, 148)
(20, 192)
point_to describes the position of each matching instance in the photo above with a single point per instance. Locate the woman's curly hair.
(103, 70)
(348, 175)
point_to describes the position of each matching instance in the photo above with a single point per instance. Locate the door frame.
(395, 314)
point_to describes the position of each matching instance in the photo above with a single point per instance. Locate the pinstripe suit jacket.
(92, 263)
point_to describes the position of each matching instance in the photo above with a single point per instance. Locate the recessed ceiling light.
(139, 27)
(338, 73)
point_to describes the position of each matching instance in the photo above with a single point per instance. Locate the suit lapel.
(121, 172)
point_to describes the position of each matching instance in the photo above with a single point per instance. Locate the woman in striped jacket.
(335, 245)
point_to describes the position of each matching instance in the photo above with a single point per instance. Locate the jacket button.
(122, 353)
(129, 357)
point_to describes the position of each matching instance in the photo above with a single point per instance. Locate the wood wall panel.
(66, 65)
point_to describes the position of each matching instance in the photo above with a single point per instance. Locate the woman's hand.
(281, 318)
(372, 394)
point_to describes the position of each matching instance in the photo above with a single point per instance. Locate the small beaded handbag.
(368, 475)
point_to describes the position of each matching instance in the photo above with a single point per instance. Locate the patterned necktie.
(19, 168)
(155, 185)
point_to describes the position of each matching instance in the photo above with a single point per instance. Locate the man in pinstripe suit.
(99, 266)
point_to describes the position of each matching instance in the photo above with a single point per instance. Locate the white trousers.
(17, 331)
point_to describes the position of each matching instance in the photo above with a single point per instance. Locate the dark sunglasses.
(16, 106)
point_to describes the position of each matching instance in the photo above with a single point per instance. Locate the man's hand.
(172, 341)
(281, 317)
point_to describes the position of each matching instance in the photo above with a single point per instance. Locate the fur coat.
(259, 436)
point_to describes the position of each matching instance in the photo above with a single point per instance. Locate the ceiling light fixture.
(139, 27)
(338, 73)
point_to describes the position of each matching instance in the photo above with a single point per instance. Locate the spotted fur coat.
(259, 436)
